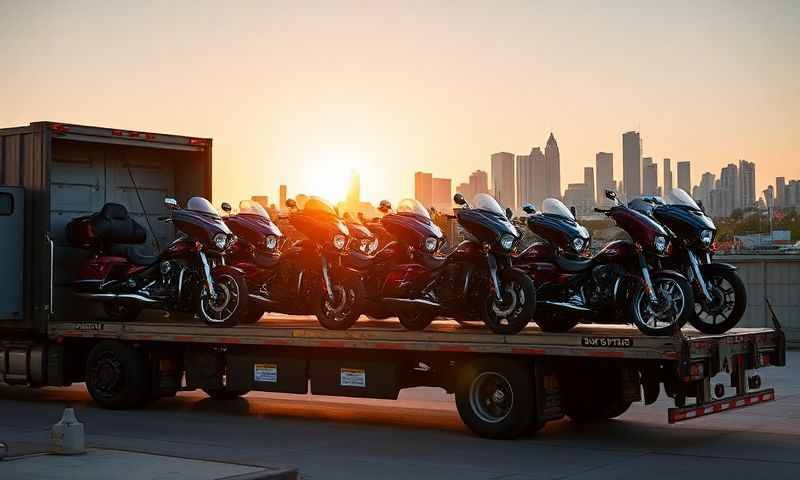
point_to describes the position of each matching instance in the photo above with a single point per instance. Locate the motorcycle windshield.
(552, 206)
(679, 197)
(201, 205)
(409, 205)
(487, 203)
(319, 205)
(249, 207)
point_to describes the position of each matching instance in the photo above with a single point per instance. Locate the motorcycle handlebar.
(600, 210)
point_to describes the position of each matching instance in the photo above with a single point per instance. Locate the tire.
(349, 295)
(491, 415)
(252, 316)
(231, 300)
(416, 320)
(521, 296)
(667, 316)
(706, 315)
(121, 312)
(117, 376)
(224, 393)
(552, 323)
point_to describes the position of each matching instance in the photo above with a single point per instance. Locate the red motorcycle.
(621, 283)
(188, 276)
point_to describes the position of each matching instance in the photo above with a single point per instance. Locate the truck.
(505, 386)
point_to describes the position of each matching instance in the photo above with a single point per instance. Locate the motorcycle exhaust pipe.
(261, 301)
(411, 303)
(563, 306)
(119, 297)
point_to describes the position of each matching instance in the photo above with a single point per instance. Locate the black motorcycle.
(190, 275)
(719, 293)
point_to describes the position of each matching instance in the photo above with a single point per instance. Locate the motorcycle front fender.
(712, 268)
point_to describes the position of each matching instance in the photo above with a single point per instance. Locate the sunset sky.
(301, 93)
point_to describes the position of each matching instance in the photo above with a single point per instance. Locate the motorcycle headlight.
(272, 242)
(339, 241)
(707, 236)
(660, 244)
(578, 243)
(507, 241)
(220, 241)
(430, 244)
(373, 246)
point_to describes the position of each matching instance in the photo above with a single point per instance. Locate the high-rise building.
(262, 200)
(353, 198)
(539, 187)
(667, 176)
(588, 180)
(632, 164)
(649, 177)
(525, 175)
(579, 196)
(479, 182)
(703, 190)
(604, 162)
(282, 197)
(769, 197)
(552, 168)
(465, 189)
(503, 178)
(728, 185)
(685, 176)
(442, 195)
(747, 184)
(780, 191)
(423, 188)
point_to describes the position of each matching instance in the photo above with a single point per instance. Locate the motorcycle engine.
(605, 279)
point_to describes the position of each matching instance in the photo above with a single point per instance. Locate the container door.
(12, 224)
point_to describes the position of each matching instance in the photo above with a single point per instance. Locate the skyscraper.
(478, 182)
(353, 199)
(503, 178)
(525, 179)
(539, 187)
(649, 177)
(604, 162)
(728, 186)
(703, 192)
(588, 180)
(667, 176)
(780, 191)
(552, 170)
(685, 176)
(747, 184)
(423, 188)
(632, 164)
(442, 191)
(282, 197)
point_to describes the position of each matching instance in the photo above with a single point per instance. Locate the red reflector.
(59, 128)
(116, 133)
(675, 415)
(198, 141)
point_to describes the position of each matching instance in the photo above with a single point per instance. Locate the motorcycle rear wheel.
(550, 322)
(519, 304)
(416, 320)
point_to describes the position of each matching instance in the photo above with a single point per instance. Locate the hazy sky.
(300, 94)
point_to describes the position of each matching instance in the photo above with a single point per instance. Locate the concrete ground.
(421, 436)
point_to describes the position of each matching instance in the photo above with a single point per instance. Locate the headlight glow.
(707, 236)
(660, 244)
(373, 246)
(507, 241)
(338, 241)
(220, 241)
(430, 244)
(578, 243)
(272, 242)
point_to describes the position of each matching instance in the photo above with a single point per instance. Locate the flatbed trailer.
(592, 372)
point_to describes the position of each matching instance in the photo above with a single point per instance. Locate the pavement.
(420, 436)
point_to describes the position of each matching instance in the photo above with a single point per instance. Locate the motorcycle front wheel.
(341, 312)
(511, 314)
(674, 304)
(225, 309)
(727, 305)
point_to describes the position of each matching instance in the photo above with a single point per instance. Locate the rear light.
(198, 141)
(697, 370)
(59, 128)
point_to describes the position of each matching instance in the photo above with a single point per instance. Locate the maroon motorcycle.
(188, 276)
(620, 284)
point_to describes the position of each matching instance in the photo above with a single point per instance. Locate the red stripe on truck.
(675, 415)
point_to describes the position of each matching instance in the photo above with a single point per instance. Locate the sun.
(329, 177)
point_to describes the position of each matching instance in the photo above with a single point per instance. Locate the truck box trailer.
(504, 386)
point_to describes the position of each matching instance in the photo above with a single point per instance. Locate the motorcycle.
(719, 293)
(189, 275)
(620, 283)
(306, 277)
(412, 278)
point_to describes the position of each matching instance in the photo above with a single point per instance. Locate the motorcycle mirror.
(290, 202)
(509, 213)
(226, 207)
(611, 194)
(529, 208)
(702, 207)
(171, 202)
(573, 211)
(385, 206)
(459, 199)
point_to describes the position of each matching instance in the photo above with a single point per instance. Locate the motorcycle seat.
(141, 259)
(112, 224)
(574, 265)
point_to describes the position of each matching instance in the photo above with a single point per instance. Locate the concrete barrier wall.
(776, 277)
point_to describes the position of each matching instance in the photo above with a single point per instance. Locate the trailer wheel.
(225, 393)
(117, 376)
(596, 396)
(494, 398)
